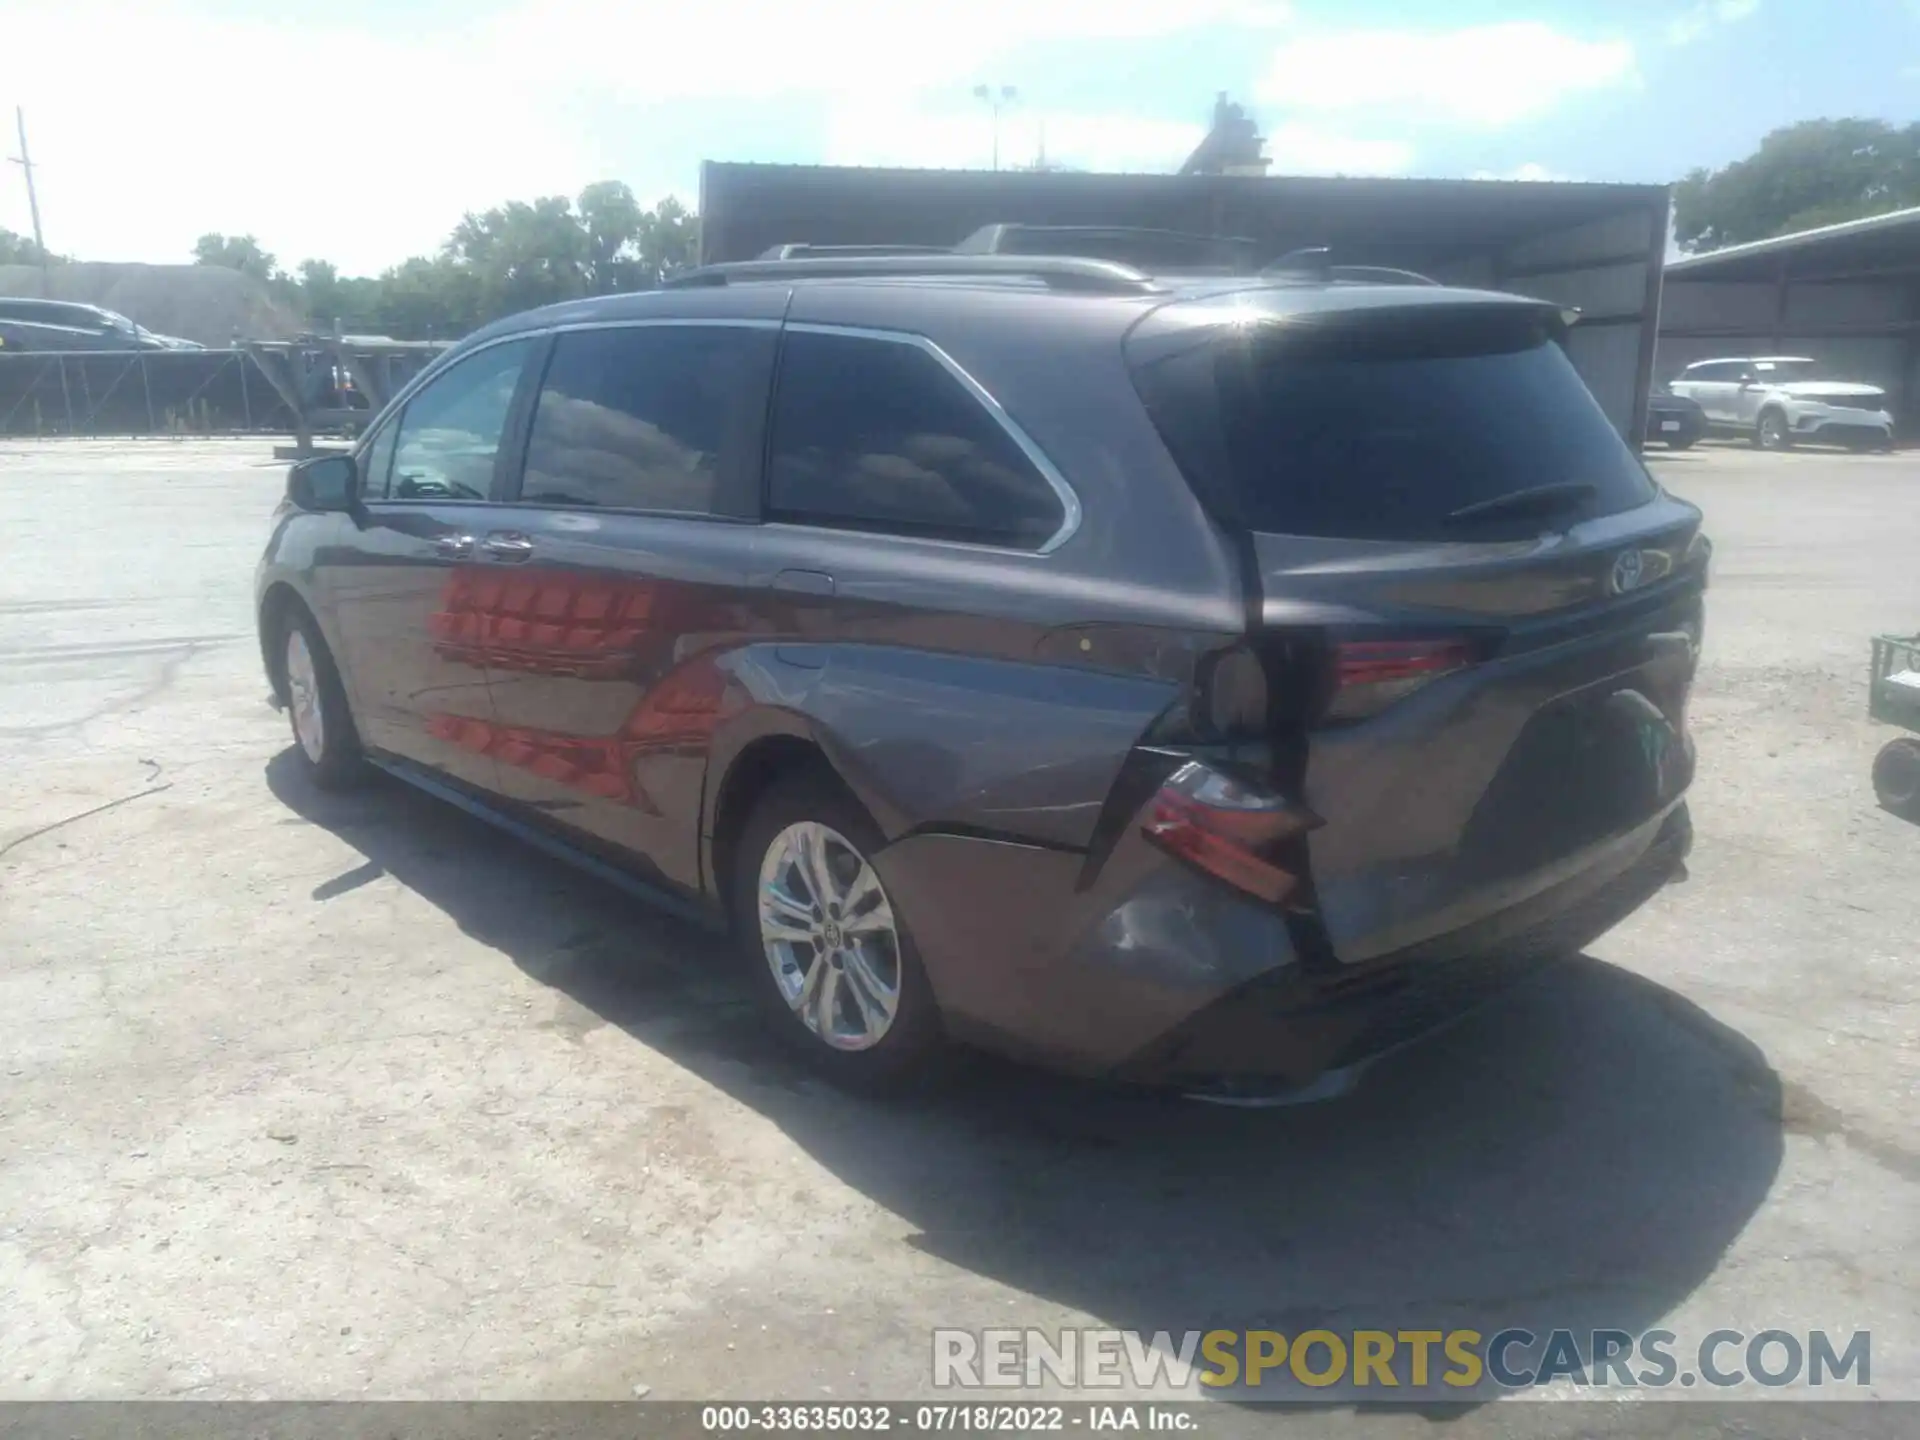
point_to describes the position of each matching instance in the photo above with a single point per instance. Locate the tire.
(829, 1001)
(324, 736)
(1682, 442)
(1896, 777)
(1770, 432)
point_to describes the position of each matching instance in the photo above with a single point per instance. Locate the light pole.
(996, 99)
(25, 162)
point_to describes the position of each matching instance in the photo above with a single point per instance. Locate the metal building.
(1596, 247)
(1846, 294)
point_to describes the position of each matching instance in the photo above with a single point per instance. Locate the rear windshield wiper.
(1538, 499)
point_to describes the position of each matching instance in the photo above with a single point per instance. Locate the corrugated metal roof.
(1847, 236)
(747, 207)
(1385, 182)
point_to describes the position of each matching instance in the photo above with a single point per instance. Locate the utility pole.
(996, 99)
(25, 161)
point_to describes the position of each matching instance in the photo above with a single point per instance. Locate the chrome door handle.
(454, 547)
(507, 545)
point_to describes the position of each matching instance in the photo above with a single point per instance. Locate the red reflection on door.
(543, 622)
(566, 625)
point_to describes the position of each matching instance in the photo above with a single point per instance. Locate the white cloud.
(1488, 75)
(886, 130)
(187, 124)
(1532, 170)
(192, 120)
(751, 48)
(1694, 23)
(1297, 149)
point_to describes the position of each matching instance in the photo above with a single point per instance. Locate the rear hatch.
(1477, 616)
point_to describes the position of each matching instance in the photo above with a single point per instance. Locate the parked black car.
(37, 325)
(1674, 421)
(1029, 650)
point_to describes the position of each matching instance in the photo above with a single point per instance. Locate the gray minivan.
(1201, 681)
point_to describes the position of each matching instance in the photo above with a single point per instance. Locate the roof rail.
(1384, 274)
(1058, 272)
(803, 250)
(1317, 262)
(1310, 260)
(1125, 244)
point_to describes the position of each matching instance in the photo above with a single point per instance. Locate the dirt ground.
(317, 1097)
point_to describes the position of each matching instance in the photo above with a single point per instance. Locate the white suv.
(1777, 399)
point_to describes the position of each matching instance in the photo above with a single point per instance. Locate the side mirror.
(325, 483)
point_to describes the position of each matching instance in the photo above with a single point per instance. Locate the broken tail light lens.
(1370, 675)
(1228, 828)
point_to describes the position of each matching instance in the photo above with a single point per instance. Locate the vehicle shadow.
(1578, 1155)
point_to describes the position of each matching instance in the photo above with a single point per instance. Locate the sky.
(359, 131)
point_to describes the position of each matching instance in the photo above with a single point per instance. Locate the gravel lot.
(310, 1097)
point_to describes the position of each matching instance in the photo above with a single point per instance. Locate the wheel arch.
(776, 748)
(1775, 407)
(277, 601)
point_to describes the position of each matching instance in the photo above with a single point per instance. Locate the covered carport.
(1595, 247)
(1847, 295)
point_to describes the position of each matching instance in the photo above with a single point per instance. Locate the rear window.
(1386, 427)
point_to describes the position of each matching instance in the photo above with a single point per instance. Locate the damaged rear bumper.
(1159, 976)
(1295, 1027)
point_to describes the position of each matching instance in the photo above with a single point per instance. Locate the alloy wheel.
(829, 934)
(303, 697)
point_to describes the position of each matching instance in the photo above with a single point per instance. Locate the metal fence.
(138, 392)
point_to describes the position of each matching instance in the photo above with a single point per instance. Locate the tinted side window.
(43, 312)
(450, 431)
(666, 417)
(878, 435)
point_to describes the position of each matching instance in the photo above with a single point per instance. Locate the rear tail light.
(1370, 675)
(1228, 828)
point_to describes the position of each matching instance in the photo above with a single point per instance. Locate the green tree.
(20, 250)
(612, 220)
(631, 248)
(512, 257)
(236, 252)
(322, 295)
(668, 241)
(1818, 172)
(522, 255)
(425, 299)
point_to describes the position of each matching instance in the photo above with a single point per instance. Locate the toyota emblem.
(1629, 571)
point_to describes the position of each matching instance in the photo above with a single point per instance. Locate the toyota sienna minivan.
(1200, 681)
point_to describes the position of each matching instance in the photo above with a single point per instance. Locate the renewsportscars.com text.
(1447, 1361)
